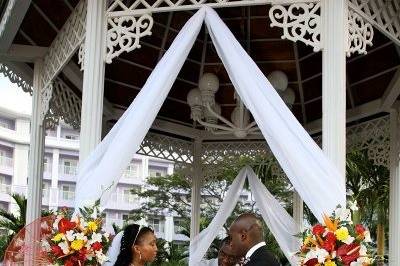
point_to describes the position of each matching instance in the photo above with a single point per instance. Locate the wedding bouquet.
(77, 240)
(338, 241)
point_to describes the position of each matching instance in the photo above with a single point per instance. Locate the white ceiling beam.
(392, 92)
(356, 113)
(23, 53)
(13, 15)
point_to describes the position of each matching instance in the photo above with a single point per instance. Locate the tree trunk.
(380, 239)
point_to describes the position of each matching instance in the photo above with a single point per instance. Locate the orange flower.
(332, 226)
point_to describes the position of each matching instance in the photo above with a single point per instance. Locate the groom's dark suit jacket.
(262, 257)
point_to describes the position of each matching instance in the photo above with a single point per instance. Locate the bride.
(136, 246)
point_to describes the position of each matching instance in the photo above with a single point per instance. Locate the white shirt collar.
(254, 248)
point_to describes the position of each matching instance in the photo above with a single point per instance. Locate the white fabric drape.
(280, 223)
(106, 163)
(114, 249)
(311, 173)
(200, 243)
(314, 177)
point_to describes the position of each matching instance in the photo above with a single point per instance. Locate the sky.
(13, 97)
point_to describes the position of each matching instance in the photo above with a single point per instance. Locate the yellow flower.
(77, 244)
(92, 226)
(329, 263)
(307, 240)
(342, 233)
(58, 237)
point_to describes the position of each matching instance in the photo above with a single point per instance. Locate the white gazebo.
(334, 62)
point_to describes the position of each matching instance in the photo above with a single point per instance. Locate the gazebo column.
(334, 40)
(394, 198)
(93, 78)
(196, 190)
(35, 167)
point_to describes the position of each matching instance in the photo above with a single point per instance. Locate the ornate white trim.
(124, 33)
(45, 96)
(118, 8)
(373, 136)
(361, 34)
(384, 15)
(167, 148)
(65, 105)
(14, 78)
(300, 22)
(61, 50)
(81, 55)
(6, 16)
(65, 44)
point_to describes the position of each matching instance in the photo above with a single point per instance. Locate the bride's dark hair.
(132, 234)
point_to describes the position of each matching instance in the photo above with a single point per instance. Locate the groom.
(247, 241)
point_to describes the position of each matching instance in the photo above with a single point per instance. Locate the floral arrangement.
(77, 240)
(338, 241)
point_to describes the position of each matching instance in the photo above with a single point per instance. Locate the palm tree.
(12, 224)
(369, 184)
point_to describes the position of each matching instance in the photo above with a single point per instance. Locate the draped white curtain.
(280, 223)
(101, 171)
(314, 177)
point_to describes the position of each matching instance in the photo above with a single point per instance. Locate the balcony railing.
(68, 170)
(67, 195)
(47, 168)
(123, 198)
(45, 193)
(4, 188)
(6, 161)
(22, 190)
(130, 174)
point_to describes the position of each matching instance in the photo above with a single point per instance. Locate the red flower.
(360, 229)
(68, 263)
(82, 254)
(311, 262)
(348, 253)
(57, 251)
(328, 246)
(97, 246)
(318, 229)
(65, 225)
(330, 237)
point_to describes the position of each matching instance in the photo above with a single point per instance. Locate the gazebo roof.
(368, 76)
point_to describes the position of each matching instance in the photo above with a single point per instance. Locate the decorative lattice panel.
(373, 136)
(168, 148)
(61, 50)
(384, 14)
(64, 105)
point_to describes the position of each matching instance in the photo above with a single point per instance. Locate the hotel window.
(68, 192)
(129, 197)
(70, 167)
(157, 225)
(157, 171)
(131, 171)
